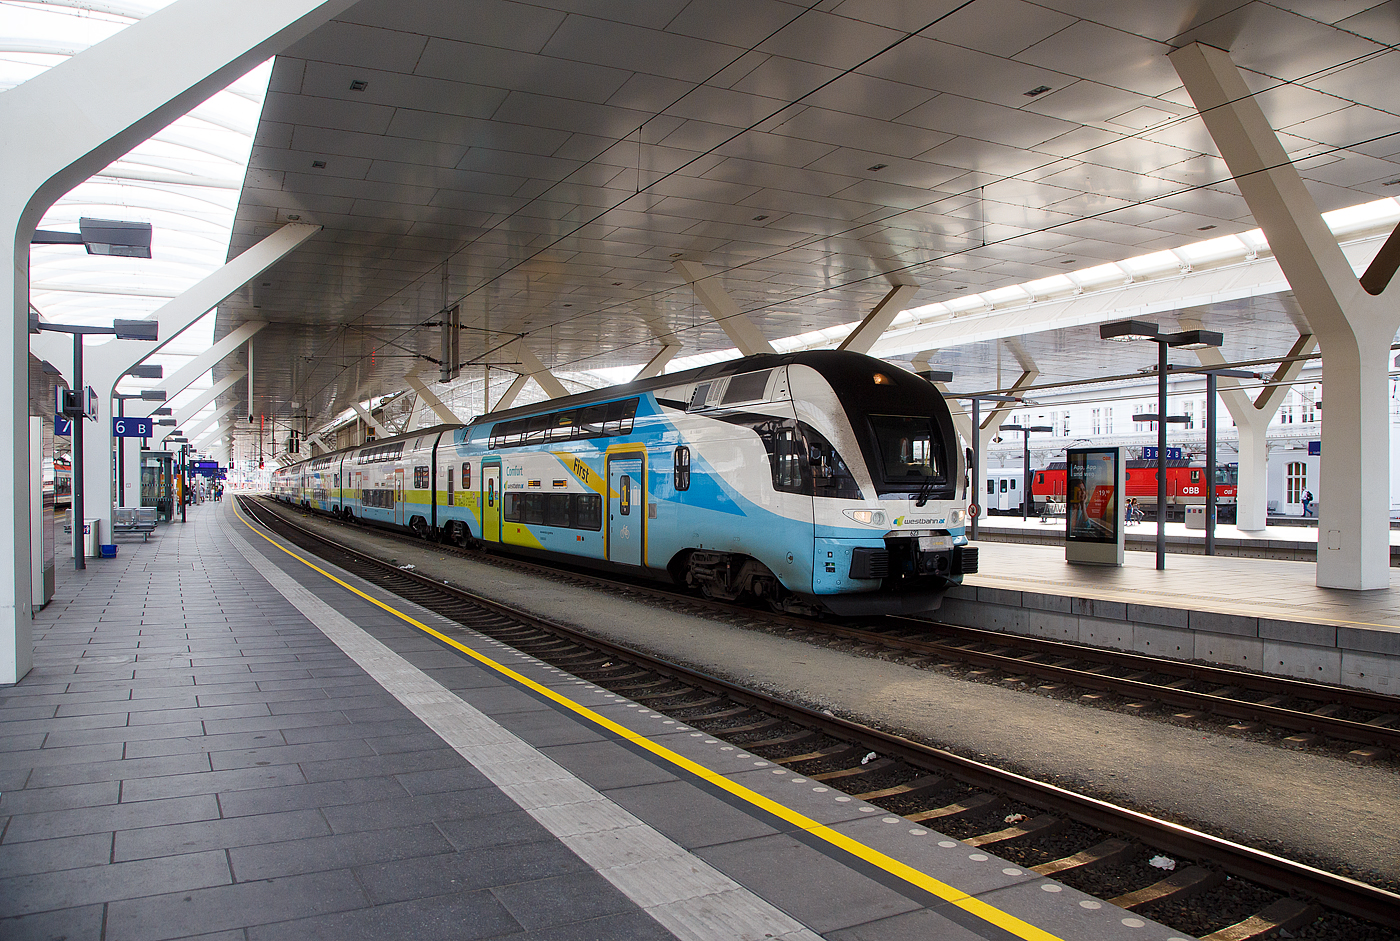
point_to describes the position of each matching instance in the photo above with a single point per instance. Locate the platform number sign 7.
(132, 428)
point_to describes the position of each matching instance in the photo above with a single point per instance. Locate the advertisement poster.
(1094, 508)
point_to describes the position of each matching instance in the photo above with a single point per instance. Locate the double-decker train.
(818, 480)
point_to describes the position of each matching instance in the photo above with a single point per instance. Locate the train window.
(588, 511)
(702, 391)
(466, 476)
(591, 419)
(1195, 476)
(746, 388)
(491, 491)
(1003, 485)
(991, 486)
(620, 417)
(911, 450)
(624, 495)
(513, 507)
(422, 477)
(562, 426)
(830, 475)
(537, 429)
(1040, 478)
(1013, 483)
(450, 501)
(557, 509)
(682, 468)
(788, 460)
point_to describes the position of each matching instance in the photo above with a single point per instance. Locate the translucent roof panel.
(184, 181)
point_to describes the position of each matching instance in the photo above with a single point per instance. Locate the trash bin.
(92, 538)
(1196, 517)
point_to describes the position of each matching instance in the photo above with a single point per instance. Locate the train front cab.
(900, 544)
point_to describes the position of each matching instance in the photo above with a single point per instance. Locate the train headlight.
(868, 517)
(957, 517)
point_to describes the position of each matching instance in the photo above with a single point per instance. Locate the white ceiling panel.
(524, 27)
(1000, 27)
(1121, 60)
(503, 139)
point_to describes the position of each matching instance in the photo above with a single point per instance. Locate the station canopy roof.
(1036, 168)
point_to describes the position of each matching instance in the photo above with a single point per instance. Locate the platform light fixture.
(102, 237)
(1185, 340)
(1126, 331)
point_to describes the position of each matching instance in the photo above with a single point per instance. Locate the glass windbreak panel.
(910, 448)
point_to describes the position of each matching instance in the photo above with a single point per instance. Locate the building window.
(1108, 420)
(1297, 481)
(1190, 412)
(1096, 422)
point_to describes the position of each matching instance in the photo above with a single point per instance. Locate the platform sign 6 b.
(133, 427)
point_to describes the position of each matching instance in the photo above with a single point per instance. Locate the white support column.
(319, 442)
(537, 371)
(61, 127)
(199, 431)
(509, 395)
(1252, 420)
(657, 363)
(379, 430)
(1354, 325)
(742, 331)
(190, 372)
(863, 337)
(426, 397)
(188, 412)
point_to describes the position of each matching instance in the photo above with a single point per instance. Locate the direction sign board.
(1149, 453)
(133, 427)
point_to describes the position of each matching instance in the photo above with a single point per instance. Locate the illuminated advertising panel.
(1094, 497)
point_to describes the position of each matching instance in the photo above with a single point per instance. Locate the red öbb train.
(1186, 486)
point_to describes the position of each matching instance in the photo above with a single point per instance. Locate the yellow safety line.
(876, 858)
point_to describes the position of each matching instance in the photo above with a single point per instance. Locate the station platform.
(1263, 614)
(1289, 539)
(219, 741)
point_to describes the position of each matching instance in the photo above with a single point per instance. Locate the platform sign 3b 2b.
(1094, 505)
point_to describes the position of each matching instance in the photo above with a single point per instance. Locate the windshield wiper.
(925, 491)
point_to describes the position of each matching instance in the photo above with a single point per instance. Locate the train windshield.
(911, 450)
(1227, 473)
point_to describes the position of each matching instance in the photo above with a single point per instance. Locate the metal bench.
(130, 520)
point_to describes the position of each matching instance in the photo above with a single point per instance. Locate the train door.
(398, 496)
(491, 502)
(627, 509)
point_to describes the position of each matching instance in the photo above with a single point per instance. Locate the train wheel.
(460, 536)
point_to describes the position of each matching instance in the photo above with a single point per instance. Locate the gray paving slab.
(55, 853)
(341, 851)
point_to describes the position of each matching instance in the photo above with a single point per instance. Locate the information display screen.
(1093, 510)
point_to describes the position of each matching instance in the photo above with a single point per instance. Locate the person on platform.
(1307, 502)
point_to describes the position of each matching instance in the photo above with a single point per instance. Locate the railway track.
(1287, 711)
(1191, 881)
